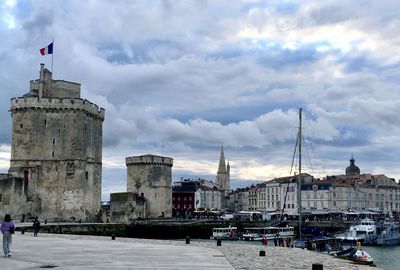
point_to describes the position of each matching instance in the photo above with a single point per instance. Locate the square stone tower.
(57, 149)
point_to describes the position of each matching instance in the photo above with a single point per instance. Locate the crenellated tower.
(57, 149)
(150, 176)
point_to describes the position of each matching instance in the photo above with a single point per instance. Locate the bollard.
(317, 266)
(22, 231)
(219, 242)
(113, 237)
(187, 240)
(262, 253)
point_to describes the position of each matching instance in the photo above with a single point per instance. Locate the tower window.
(45, 122)
(21, 126)
(87, 175)
(54, 141)
(52, 154)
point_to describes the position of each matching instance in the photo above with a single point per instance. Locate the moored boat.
(388, 234)
(364, 232)
(361, 257)
(227, 233)
(267, 233)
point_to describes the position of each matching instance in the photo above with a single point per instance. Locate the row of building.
(351, 191)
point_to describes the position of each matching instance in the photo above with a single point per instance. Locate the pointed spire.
(352, 159)
(222, 166)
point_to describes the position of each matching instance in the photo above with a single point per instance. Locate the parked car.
(226, 217)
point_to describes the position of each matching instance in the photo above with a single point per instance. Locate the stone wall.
(12, 196)
(126, 206)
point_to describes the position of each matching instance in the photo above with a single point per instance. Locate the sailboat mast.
(299, 180)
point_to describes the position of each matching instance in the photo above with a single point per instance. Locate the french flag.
(47, 50)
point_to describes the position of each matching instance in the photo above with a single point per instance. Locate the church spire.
(222, 166)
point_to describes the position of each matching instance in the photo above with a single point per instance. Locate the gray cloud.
(189, 75)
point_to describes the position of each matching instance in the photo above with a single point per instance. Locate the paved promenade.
(93, 252)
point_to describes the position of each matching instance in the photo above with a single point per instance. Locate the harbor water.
(385, 257)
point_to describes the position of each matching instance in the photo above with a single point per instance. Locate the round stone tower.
(150, 176)
(57, 148)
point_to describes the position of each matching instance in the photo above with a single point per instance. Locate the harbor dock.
(62, 251)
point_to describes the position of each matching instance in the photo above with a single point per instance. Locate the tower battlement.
(23, 103)
(149, 160)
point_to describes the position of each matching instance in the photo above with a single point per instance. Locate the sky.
(178, 78)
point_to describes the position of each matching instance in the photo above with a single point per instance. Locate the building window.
(1, 197)
(87, 175)
(54, 141)
(45, 122)
(52, 154)
(21, 126)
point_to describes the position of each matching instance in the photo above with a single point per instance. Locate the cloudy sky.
(179, 77)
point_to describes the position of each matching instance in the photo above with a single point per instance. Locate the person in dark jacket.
(7, 228)
(36, 227)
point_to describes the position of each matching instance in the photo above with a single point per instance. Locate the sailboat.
(322, 244)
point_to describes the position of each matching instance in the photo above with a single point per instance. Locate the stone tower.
(223, 175)
(150, 176)
(57, 149)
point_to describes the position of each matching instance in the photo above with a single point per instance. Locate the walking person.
(7, 228)
(36, 227)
